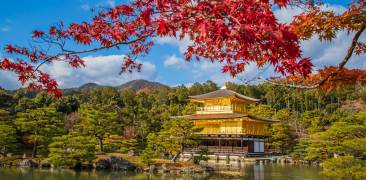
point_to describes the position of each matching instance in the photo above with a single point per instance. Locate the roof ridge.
(224, 93)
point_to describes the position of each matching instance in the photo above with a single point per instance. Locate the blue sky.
(164, 63)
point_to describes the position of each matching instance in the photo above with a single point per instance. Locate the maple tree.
(231, 32)
(326, 79)
(326, 24)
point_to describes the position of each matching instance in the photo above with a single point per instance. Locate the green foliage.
(43, 99)
(190, 108)
(106, 96)
(71, 149)
(40, 125)
(300, 149)
(336, 141)
(175, 135)
(25, 104)
(6, 100)
(314, 126)
(67, 105)
(98, 122)
(4, 117)
(119, 144)
(8, 135)
(8, 138)
(345, 167)
(127, 146)
(283, 136)
(261, 110)
(202, 156)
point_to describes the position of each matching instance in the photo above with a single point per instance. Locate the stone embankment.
(118, 162)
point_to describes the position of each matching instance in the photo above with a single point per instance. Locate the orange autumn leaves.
(325, 25)
(344, 78)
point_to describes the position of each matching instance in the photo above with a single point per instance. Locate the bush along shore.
(117, 162)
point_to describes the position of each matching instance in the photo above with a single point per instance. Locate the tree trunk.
(34, 151)
(178, 154)
(176, 157)
(100, 140)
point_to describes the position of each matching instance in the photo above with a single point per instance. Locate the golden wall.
(223, 104)
(231, 126)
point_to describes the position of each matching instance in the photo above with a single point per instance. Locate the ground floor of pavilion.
(231, 144)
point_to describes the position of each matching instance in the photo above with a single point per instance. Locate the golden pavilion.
(227, 128)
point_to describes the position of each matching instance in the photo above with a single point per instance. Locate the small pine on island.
(227, 128)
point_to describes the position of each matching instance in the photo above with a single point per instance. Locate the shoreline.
(123, 162)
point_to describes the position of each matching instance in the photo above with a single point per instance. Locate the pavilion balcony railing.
(226, 131)
(218, 149)
(215, 109)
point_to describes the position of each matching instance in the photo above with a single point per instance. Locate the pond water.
(252, 171)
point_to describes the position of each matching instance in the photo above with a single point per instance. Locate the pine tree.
(71, 149)
(40, 125)
(8, 136)
(99, 122)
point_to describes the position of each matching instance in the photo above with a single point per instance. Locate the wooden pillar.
(241, 144)
(219, 144)
(227, 159)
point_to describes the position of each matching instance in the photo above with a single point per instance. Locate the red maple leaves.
(234, 33)
(37, 34)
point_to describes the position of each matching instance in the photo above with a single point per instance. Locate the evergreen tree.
(345, 167)
(283, 136)
(8, 136)
(175, 135)
(40, 125)
(261, 110)
(99, 122)
(71, 150)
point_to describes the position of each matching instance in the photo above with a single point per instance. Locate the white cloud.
(106, 3)
(325, 53)
(175, 61)
(286, 15)
(103, 70)
(5, 28)
(111, 3)
(85, 7)
(181, 44)
(8, 80)
(331, 53)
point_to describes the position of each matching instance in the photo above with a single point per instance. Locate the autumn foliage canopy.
(231, 32)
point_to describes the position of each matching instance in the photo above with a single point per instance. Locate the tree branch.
(333, 74)
(69, 52)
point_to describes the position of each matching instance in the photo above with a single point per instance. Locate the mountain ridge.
(137, 84)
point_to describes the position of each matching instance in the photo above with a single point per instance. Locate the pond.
(251, 171)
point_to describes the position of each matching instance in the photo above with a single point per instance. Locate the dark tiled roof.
(223, 93)
(222, 116)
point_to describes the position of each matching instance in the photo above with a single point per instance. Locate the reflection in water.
(248, 171)
(258, 172)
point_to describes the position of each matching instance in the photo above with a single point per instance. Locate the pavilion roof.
(221, 93)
